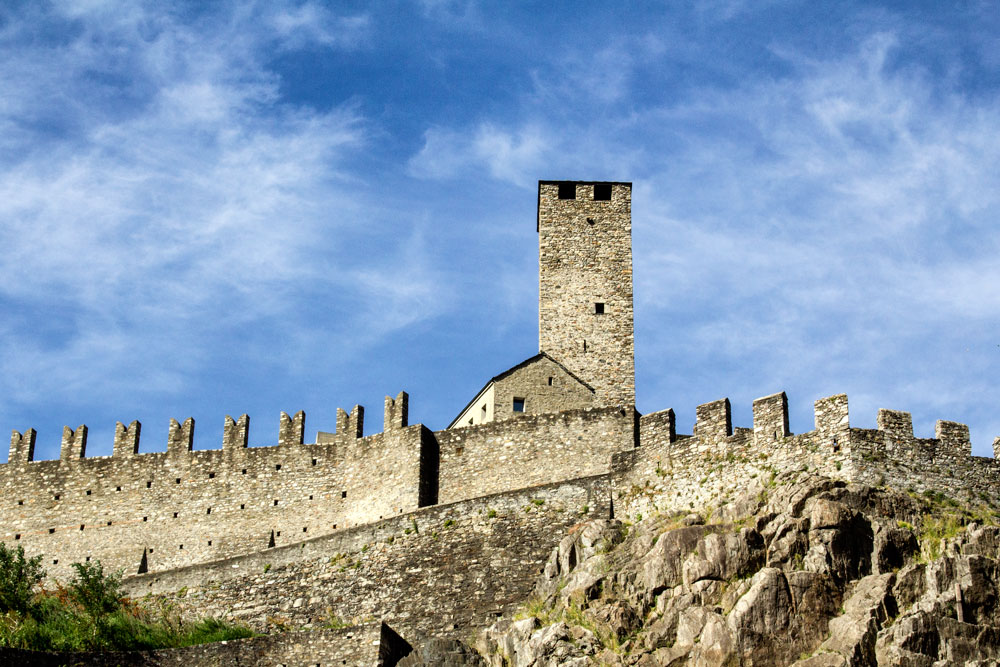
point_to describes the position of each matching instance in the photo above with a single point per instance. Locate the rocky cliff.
(801, 570)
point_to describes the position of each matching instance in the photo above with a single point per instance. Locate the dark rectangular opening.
(567, 191)
(602, 192)
(343, 494)
(518, 405)
(598, 308)
(550, 381)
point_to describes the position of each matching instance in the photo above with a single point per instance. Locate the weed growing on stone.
(491, 513)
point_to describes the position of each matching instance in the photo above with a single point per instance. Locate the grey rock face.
(823, 575)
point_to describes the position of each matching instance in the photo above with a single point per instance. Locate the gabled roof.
(510, 371)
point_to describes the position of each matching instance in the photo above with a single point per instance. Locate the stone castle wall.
(585, 258)
(531, 450)
(446, 570)
(168, 509)
(719, 461)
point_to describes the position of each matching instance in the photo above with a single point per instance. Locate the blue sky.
(218, 208)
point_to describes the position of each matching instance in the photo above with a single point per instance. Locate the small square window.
(310, 497)
(602, 192)
(243, 506)
(51, 530)
(211, 475)
(20, 502)
(567, 191)
(145, 518)
(109, 523)
(277, 467)
(275, 503)
(57, 496)
(175, 515)
(177, 481)
(17, 536)
(55, 561)
(210, 543)
(598, 308)
(149, 485)
(81, 526)
(209, 511)
(343, 494)
(314, 461)
(244, 471)
(518, 405)
(117, 488)
(88, 490)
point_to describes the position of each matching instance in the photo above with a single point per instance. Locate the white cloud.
(510, 156)
(192, 206)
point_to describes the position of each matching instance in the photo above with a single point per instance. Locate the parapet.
(180, 437)
(74, 443)
(713, 421)
(291, 430)
(236, 433)
(396, 412)
(22, 446)
(953, 438)
(895, 423)
(770, 418)
(126, 438)
(351, 425)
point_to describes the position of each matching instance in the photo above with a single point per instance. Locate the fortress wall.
(720, 461)
(688, 472)
(531, 449)
(890, 454)
(181, 507)
(445, 570)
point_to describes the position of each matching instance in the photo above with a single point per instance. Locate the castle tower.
(585, 284)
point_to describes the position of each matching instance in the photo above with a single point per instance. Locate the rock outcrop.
(805, 571)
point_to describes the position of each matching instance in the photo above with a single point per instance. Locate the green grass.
(90, 613)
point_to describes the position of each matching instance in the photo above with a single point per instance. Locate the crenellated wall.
(719, 460)
(167, 509)
(157, 511)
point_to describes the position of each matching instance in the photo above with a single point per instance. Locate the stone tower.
(585, 283)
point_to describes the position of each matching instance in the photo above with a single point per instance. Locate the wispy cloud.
(195, 208)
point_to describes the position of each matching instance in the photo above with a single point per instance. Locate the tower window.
(484, 412)
(567, 191)
(518, 405)
(598, 308)
(550, 380)
(602, 192)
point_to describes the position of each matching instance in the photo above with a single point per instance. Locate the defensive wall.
(719, 461)
(445, 571)
(161, 510)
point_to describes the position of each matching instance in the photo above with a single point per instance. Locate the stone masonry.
(585, 284)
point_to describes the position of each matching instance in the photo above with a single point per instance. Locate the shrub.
(98, 594)
(18, 578)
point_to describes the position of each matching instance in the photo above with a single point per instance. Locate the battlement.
(706, 464)
(157, 510)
